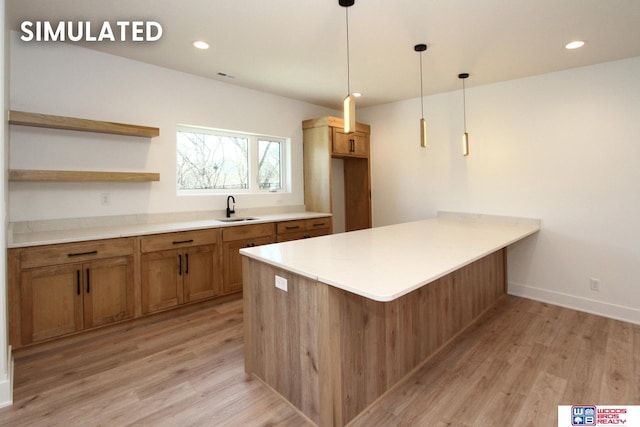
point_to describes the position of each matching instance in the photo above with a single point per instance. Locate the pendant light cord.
(464, 106)
(421, 92)
(346, 11)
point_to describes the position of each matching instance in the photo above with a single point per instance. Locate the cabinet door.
(200, 278)
(51, 302)
(161, 280)
(353, 144)
(233, 261)
(108, 287)
(357, 194)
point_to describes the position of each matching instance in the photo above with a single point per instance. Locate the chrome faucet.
(231, 210)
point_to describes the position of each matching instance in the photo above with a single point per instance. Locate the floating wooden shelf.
(80, 176)
(84, 125)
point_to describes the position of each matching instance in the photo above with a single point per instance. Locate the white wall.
(563, 147)
(56, 78)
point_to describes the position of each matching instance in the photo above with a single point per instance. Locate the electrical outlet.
(594, 284)
(105, 199)
(281, 283)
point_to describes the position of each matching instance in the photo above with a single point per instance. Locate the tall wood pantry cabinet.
(325, 140)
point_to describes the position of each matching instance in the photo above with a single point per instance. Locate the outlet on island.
(281, 283)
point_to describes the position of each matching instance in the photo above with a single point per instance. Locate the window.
(213, 159)
(269, 161)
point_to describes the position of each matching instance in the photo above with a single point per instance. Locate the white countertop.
(385, 263)
(36, 238)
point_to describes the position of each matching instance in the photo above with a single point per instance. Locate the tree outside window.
(269, 161)
(219, 160)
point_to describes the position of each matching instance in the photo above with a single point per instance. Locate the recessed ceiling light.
(357, 94)
(574, 44)
(200, 44)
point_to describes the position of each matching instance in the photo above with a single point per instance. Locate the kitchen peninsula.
(332, 323)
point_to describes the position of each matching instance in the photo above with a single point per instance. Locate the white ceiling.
(297, 48)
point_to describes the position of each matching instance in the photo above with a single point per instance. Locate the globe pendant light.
(465, 137)
(423, 123)
(349, 103)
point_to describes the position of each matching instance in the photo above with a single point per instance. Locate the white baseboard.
(613, 311)
(6, 384)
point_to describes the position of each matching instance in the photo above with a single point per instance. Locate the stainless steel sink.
(235, 219)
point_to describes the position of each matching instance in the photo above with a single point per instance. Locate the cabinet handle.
(88, 281)
(293, 227)
(179, 242)
(82, 253)
(180, 265)
(352, 146)
(318, 224)
(186, 269)
(78, 282)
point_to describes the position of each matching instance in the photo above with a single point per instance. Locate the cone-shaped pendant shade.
(423, 133)
(349, 114)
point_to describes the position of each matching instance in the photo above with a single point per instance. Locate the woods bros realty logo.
(598, 415)
(85, 31)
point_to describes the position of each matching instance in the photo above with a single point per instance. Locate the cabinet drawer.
(183, 239)
(291, 226)
(247, 231)
(75, 252)
(303, 228)
(318, 223)
(353, 144)
(302, 225)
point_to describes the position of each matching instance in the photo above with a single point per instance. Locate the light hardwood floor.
(511, 368)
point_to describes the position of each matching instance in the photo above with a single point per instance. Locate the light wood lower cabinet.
(57, 290)
(62, 289)
(236, 238)
(178, 268)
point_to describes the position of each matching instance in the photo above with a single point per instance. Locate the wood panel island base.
(334, 339)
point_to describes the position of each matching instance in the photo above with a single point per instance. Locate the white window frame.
(254, 187)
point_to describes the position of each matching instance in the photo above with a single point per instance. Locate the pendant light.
(349, 103)
(423, 123)
(465, 137)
